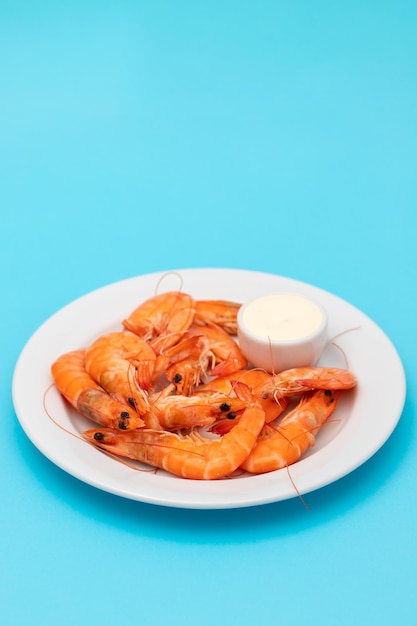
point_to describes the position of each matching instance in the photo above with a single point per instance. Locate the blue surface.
(143, 136)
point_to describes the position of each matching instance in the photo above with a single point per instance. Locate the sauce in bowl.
(282, 330)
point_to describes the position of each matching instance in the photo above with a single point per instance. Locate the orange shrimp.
(162, 319)
(300, 379)
(176, 412)
(188, 456)
(202, 351)
(221, 348)
(283, 445)
(87, 397)
(218, 313)
(184, 364)
(122, 363)
(254, 379)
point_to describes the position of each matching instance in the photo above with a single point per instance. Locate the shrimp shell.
(190, 456)
(162, 319)
(222, 313)
(87, 397)
(300, 379)
(122, 363)
(283, 445)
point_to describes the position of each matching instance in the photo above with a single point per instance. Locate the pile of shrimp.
(173, 390)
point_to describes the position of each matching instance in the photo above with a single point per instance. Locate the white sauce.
(282, 317)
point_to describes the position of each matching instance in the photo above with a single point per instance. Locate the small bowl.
(280, 331)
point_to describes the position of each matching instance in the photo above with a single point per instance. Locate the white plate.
(363, 421)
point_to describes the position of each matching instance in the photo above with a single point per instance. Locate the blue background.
(143, 136)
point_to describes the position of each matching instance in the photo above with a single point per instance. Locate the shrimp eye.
(122, 425)
(231, 416)
(328, 392)
(124, 415)
(98, 436)
(132, 402)
(225, 407)
(177, 378)
(265, 395)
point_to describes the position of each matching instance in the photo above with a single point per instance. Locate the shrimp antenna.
(332, 342)
(177, 274)
(299, 496)
(89, 443)
(273, 372)
(66, 430)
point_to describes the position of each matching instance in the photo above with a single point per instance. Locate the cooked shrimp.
(163, 319)
(189, 456)
(280, 446)
(221, 347)
(218, 313)
(202, 351)
(185, 363)
(300, 379)
(87, 397)
(176, 412)
(254, 379)
(122, 363)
